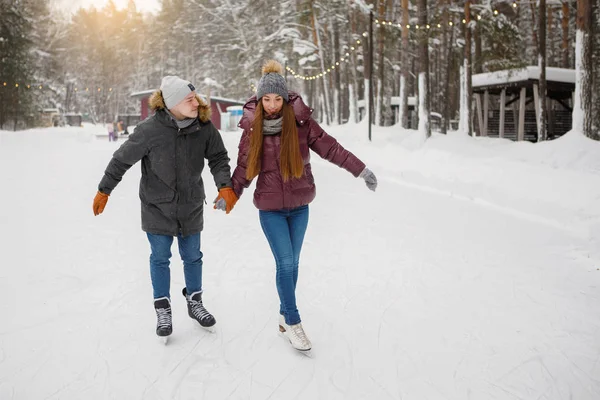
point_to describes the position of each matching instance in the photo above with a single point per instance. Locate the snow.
(518, 75)
(304, 47)
(472, 272)
(394, 101)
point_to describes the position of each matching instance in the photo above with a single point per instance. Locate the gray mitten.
(369, 178)
(220, 204)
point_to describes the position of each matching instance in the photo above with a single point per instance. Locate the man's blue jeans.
(189, 250)
(285, 231)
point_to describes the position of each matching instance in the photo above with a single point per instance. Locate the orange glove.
(99, 202)
(230, 198)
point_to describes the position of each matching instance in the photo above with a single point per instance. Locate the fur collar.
(157, 102)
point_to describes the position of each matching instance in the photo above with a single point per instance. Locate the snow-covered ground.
(472, 273)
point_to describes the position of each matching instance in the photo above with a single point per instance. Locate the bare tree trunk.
(534, 32)
(381, 68)
(582, 109)
(550, 53)
(424, 116)
(353, 88)
(478, 64)
(565, 34)
(448, 45)
(596, 63)
(467, 74)
(367, 63)
(318, 44)
(337, 100)
(403, 108)
(542, 135)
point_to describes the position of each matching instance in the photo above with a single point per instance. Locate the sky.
(473, 272)
(142, 5)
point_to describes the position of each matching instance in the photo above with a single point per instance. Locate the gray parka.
(171, 187)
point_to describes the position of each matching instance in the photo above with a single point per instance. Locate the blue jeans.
(285, 231)
(189, 250)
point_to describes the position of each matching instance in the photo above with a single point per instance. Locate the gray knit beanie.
(272, 81)
(174, 89)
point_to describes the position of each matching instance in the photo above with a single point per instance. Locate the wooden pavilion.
(515, 92)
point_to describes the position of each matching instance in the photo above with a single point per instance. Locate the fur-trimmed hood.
(157, 102)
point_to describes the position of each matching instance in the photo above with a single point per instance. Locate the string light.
(381, 22)
(479, 17)
(56, 89)
(327, 70)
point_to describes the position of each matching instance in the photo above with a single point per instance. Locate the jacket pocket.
(198, 194)
(154, 191)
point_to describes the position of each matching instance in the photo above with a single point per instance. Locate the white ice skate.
(295, 334)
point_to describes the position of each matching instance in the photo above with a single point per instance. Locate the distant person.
(278, 134)
(172, 145)
(111, 132)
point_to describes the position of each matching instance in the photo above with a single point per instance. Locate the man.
(172, 145)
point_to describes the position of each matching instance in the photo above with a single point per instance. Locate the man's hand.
(99, 202)
(226, 195)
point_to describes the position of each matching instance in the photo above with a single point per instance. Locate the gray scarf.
(184, 123)
(272, 126)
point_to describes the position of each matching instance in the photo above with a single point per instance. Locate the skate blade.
(209, 329)
(307, 353)
(164, 339)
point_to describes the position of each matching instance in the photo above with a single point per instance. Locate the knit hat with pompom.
(272, 81)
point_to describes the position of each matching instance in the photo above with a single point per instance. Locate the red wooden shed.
(218, 105)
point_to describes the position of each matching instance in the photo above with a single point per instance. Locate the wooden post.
(515, 116)
(521, 131)
(550, 118)
(536, 103)
(486, 106)
(479, 117)
(502, 112)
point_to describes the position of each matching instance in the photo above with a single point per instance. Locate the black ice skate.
(197, 311)
(164, 321)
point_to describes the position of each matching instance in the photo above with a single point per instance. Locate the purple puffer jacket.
(272, 193)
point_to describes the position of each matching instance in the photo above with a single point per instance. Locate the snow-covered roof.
(148, 92)
(520, 75)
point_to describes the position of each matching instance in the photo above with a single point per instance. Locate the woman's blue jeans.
(285, 231)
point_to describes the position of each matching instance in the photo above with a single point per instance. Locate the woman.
(278, 133)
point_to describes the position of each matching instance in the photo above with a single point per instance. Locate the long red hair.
(291, 164)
